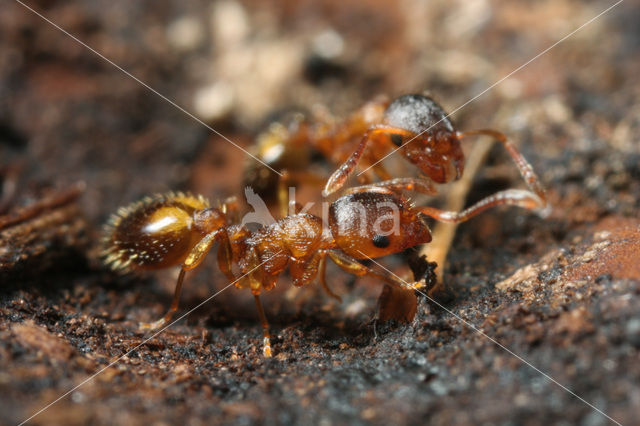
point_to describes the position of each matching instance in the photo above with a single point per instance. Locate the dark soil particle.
(78, 139)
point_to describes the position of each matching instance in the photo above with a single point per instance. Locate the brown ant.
(420, 129)
(178, 229)
(413, 124)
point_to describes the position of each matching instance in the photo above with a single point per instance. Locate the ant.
(180, 229)
(414, 124)
(420, 129)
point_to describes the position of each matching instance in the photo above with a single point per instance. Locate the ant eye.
(381, 241)
(396, 139)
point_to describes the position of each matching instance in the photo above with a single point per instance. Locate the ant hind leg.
(195, 257)
(172, 309)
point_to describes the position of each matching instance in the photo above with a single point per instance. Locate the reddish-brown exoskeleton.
(415, 125)
(179, 229)
(421, 131)
(290, 145)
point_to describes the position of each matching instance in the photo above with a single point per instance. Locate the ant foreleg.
(509, 197)
(339, 177)
(352, 266)
(525, 169)
(398, 185)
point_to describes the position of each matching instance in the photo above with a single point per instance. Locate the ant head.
(435, 148)
(375, 224)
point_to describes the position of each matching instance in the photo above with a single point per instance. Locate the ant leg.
(195, 257)
(225, 258)
(303, 272)
(525, 169)
(352, 266)
(443, 233)
(398, 185)
(172, 309)
(198, 253)
(509, 197)
(266, 341)
(286, 180)
(339, 177)
(253, 274)
(323, 279)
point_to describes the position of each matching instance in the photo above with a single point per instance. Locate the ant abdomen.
(154, 233)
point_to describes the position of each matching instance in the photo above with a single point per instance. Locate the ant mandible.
(180, 229)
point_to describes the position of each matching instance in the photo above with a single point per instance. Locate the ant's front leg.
(352, 266)
(397, 185)
(537, 200)
(378, 135)
(509, 197)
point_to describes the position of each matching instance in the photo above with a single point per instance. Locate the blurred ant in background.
(414, 125)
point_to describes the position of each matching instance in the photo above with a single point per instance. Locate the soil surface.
(544, 323)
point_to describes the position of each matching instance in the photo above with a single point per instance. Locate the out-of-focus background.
(562, 292)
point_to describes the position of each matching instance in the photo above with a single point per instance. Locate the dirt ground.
(555, 302)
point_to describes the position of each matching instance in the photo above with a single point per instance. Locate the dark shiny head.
(436, 151)
(375, 224)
